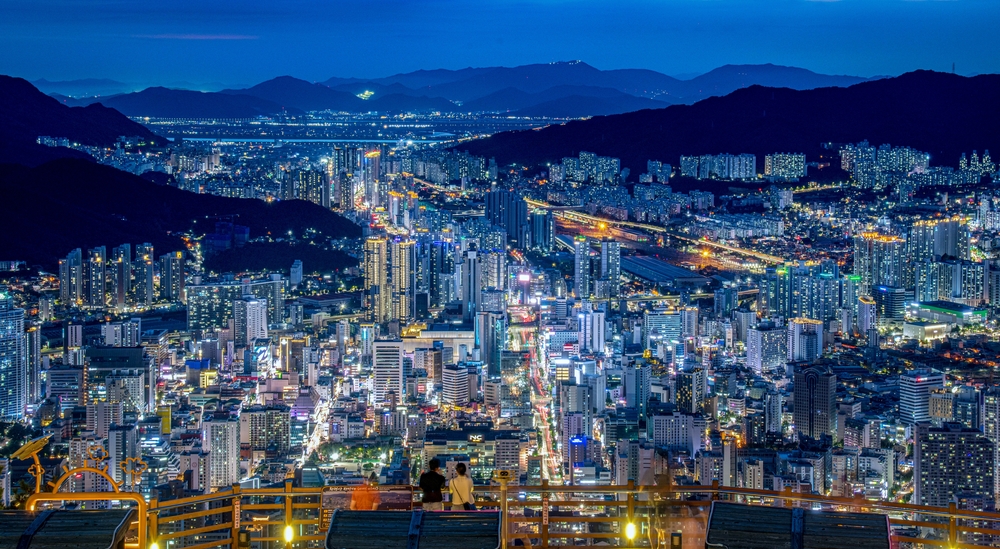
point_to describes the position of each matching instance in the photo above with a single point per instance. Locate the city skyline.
(316, 41)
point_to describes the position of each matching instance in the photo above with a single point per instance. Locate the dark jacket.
(432, 483)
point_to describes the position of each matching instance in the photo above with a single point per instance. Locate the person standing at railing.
(461, 490)
(432, 482)
(366, 497)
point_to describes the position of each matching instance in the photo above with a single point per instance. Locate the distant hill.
(562, 89)
(278, 257)
(562, 102)
(85, 87)
(26, 114)
(469, 84)
(298, 94)
(306, 96)
(169, 103)
(939, 113)
(67, 204)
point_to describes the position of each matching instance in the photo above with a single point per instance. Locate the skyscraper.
(510, 212)
(172, 276)
(915, 388)
(767, 348)
(220, 437)
(144, 289)
(250, 320)
(815, 403)
(805, 339)
(878, 260)
(402, 258)
(71, 279)
(472, 285)
(611, 270)
(581, 273)
(13, 360)
(388, 367)
(377, 290)
(96, 277)
(951, 460)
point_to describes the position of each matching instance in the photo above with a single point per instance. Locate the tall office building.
(991, 428)
(455, 385)
(805, 339)
(890, 304)
(543, 231)
(509, 211)
(915, 388)
(951, 460)
(815, 411)
(767, 348)
(581, 272)
(691, 387)
(220, 437)
(387, 361)
(13, 360)
(250, 320)
(772, 412)
(636, 379)
(172, 276)
(71, 278)
(878, 260)
(377, 290)
(402, 259)
(144, 290)
(96, 277)
(472, 286)
(611, 270)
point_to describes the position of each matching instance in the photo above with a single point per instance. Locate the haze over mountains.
(939, 113)
(563, 90)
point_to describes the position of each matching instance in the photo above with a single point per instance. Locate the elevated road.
(580, 217)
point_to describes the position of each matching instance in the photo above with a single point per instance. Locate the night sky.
(208, 43)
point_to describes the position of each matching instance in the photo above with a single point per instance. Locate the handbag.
(469, 506)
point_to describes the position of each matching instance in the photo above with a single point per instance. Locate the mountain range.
(26, 114)
(71, 203)
(561, 90)
(939, 113)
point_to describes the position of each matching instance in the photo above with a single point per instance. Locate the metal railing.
(543, 515)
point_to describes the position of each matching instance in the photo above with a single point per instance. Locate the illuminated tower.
(377, 280)
(581, 277)
(13, 360)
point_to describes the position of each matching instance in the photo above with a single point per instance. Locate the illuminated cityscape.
(593, 307)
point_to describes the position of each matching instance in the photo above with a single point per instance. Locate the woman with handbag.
(461, 490)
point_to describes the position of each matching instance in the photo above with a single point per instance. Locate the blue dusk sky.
(238, 42)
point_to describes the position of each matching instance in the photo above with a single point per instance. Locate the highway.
(577, 216)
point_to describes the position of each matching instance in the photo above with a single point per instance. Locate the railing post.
(503, 476)
(787, 497)
(288, 503)
(543, 527)
(952, 525)
(715, 490)
(234, 534)
(151, 524)
(630, 501)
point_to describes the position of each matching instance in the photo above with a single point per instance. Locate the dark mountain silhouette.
(729, 78)
(470, 84)
(307, 96)
(67, 204)
(83, 87)
(579, 101)
(379, 90)
(939, 113)
(168, 103)
(26, 114)
(406, 103)
(298, 94)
